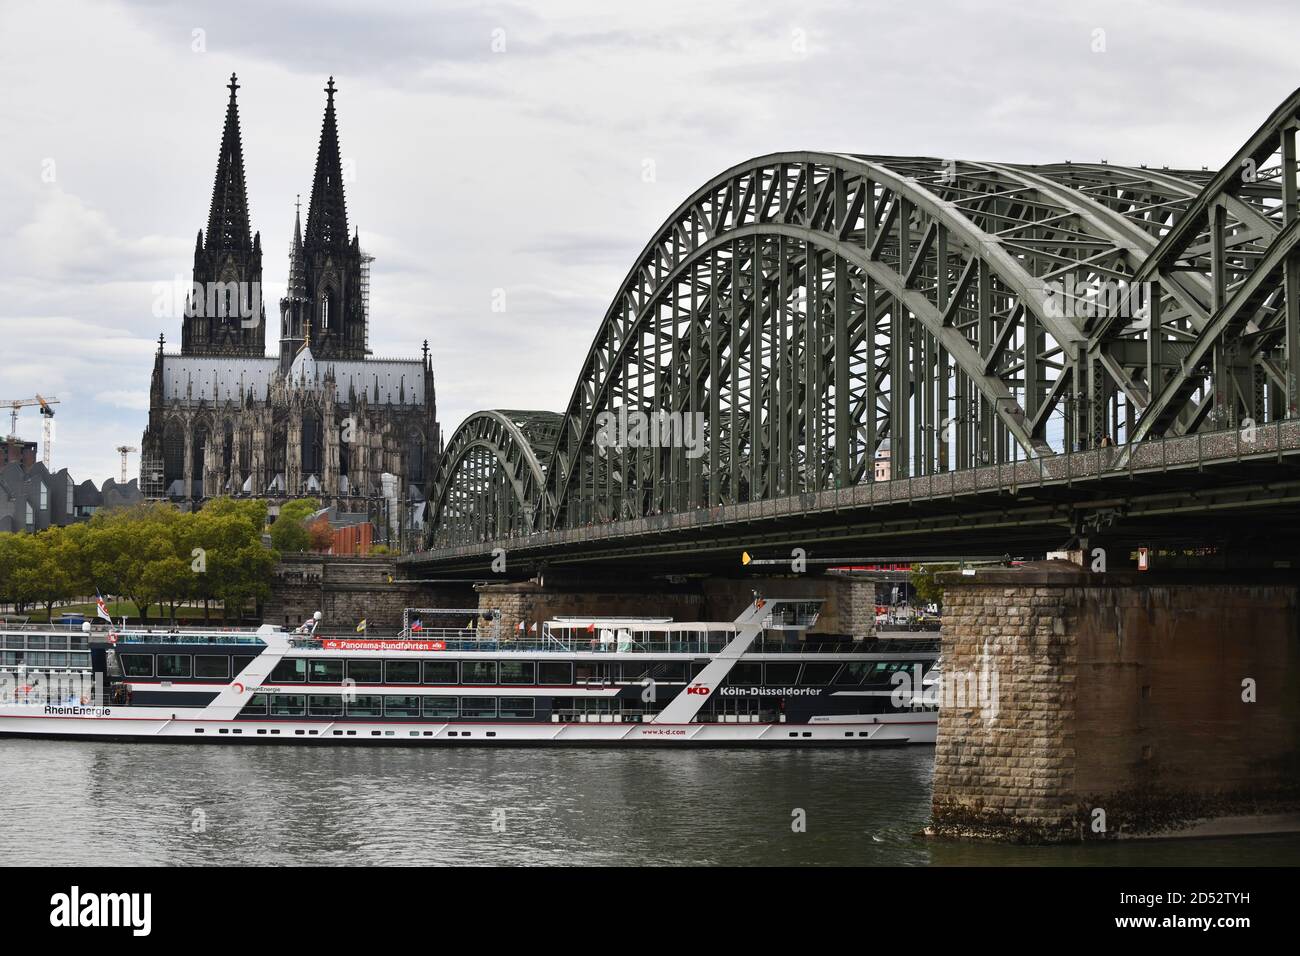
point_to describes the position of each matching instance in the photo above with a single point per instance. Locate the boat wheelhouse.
(759, 680)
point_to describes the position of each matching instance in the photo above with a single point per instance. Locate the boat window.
(782, 672)
(478, 707)
(402, 672)
(633, 672)
(517, 672)
(325, 705)
(440, 672)
(325, 672)
(852, 673)
(696, 667)
(366, 705)
(137, 665)
(820, 673)
(291, 670)
(478, 672)
(36, 640)
(555, 672)
(520, 708)
(288, 705)
(402, 706)
(256, 706)
(212, 665)
(880, 672)
(670, 671)
(239, 662)
(366, 672)
(441, 707)
(746, 672)
(173, 665)
(58, 643)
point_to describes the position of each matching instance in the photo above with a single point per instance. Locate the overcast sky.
(523, 168)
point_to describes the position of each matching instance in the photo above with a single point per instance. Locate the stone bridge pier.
(1080, 706)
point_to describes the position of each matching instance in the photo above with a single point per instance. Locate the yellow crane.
(14, 404)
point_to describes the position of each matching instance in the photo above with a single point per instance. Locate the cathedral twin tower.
(322, 418)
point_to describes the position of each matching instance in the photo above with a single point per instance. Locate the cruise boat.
(760, 680)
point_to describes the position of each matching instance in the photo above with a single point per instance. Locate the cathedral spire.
(327, 213)
(297, 265)
(228, 227)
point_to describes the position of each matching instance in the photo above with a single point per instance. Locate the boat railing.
(185, 637)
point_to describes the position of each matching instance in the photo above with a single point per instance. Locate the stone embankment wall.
(849, 608)
(347, 590)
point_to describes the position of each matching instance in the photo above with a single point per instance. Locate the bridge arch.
(899, 299)
(804, 319)
(491, 477)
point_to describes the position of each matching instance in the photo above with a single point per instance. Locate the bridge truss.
(804, 315)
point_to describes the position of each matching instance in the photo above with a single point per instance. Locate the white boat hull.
(145, 724)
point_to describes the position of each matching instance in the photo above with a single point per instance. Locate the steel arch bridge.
(803, 312)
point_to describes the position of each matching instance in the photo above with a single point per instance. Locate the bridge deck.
(1188, 488)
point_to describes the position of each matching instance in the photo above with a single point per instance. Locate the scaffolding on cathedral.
(151, 477)
(366, 259)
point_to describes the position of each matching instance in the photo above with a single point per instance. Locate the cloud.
(523, 169)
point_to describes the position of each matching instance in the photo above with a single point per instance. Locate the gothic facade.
(322, 417)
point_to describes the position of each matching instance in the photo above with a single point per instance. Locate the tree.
(290, 534)
(132, 548)
(236, 566)
(928, 590)
(48, 576)
(17, 551)
(321, 534)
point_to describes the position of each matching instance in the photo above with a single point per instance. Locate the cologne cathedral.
(322, 417)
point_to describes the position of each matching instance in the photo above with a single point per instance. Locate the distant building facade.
(34, 498)
(321, 417)
(15, 450)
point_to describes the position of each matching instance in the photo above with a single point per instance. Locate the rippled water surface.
(92, 803)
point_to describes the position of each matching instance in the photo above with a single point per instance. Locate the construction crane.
(125, 450)
(47, 413)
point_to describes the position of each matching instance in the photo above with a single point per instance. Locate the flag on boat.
(591, 628)
(101, 608)
(416, 625)
(361, 628)
(533, 629)
(521, 627)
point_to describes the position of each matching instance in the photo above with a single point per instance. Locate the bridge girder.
(491, 477)
(807, 310)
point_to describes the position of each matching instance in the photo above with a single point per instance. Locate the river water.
(166, 804)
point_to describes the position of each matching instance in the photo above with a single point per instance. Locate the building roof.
(216, 379)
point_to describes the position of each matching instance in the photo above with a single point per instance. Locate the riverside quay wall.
(848, 607)
(1078, 706)
(347, 590)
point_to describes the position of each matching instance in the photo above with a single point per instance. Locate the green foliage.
(923, 579)
(151, 554)
(290, 533)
